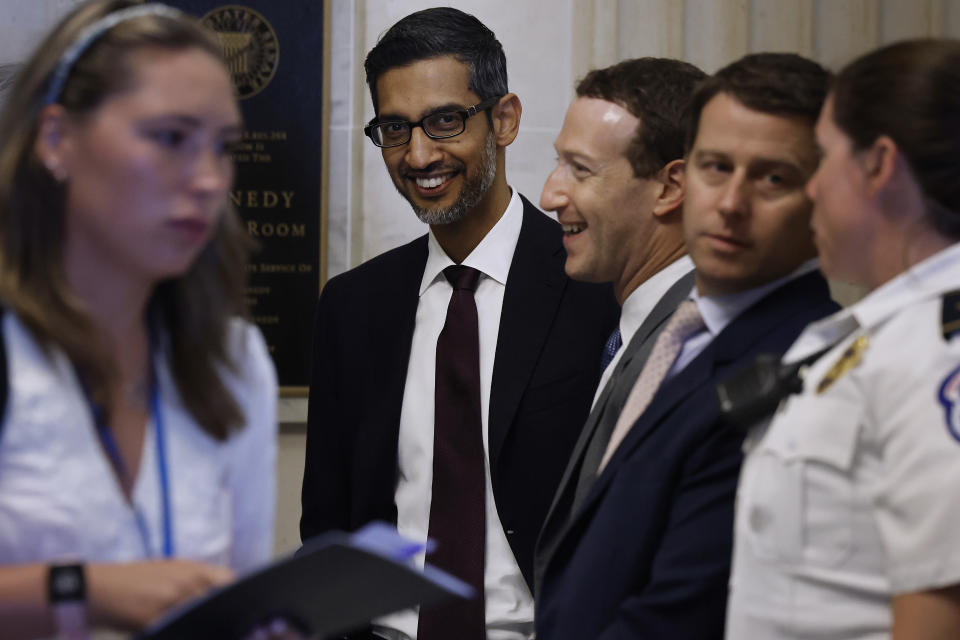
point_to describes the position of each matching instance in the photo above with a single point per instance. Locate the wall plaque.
(275, 52)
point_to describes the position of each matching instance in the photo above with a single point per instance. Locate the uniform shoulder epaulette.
(950, 314)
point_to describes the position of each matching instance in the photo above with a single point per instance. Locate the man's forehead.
(731, 128)
(595, 122)
(424, 85)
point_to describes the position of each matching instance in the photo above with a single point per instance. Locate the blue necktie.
(614, 342)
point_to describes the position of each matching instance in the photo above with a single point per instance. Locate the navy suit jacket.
(647, 555)
(546, 368)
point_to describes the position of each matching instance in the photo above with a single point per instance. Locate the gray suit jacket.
(581, 471)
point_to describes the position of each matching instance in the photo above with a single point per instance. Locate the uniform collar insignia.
(848, 360)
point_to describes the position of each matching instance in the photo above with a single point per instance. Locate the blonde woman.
(137, 448)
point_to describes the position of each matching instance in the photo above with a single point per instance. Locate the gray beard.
(473, 191)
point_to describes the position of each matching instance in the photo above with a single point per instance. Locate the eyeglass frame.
(465, 114)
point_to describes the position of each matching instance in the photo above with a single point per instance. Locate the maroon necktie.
(457, 508)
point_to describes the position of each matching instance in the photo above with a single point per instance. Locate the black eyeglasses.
(439, 125)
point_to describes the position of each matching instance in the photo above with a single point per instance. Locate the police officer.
(847, 513)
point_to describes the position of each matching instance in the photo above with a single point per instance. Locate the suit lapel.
(794, 299)
(534, 288)
(635, 353)
(676, 390)
(643, 340)
(559, 517)
(659, 314)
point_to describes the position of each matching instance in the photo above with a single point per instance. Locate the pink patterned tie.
(686, 321)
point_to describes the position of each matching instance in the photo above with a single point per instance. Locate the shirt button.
(759, 519)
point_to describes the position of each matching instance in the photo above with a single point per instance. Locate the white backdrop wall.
(549, 45)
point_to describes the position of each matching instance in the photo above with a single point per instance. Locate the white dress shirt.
(638, 306)
(848, 498)
(509, 604)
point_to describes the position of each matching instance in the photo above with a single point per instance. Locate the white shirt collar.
(719, 311)
(492, 257)
(931, 277)
(644, 298)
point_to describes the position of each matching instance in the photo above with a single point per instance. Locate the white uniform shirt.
(509, 604)
(59, 497)
(849, 496)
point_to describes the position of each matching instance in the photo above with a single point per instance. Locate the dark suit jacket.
(546, 368)
(648, 553)
(587, 453)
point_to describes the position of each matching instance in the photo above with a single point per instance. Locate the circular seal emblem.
(250, 46)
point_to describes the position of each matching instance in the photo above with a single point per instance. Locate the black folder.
(335, 583)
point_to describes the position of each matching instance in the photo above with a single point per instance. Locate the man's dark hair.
(442, 31)
(655, 90)
(783, 84)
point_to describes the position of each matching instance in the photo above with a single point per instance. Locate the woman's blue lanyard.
(113, 452)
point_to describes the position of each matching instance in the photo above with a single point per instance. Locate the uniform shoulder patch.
(950, 399)
(950, 314)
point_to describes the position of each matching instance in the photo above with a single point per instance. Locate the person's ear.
(506, 119)
(880, 163)
(52, 141)
(670, 194)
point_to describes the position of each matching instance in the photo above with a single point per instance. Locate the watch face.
(66, 583)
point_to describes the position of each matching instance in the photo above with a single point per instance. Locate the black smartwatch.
(67, 593)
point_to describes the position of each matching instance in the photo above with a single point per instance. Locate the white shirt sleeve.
(916, 502)
(251, 466)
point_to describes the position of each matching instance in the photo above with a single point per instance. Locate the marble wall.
(549, 44)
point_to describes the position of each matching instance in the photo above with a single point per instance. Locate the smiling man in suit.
(452, 375)
(618, 191)
(645, 552)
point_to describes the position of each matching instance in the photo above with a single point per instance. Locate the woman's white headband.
(90, 34)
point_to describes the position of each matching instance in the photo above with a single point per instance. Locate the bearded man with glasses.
(452, 375)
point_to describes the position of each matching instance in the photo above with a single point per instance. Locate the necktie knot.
(685, 322)
(613, 344)
(461, 277)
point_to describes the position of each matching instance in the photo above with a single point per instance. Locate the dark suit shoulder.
(798, 303)
(384, 265)
(775, 320)
(539, 220)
